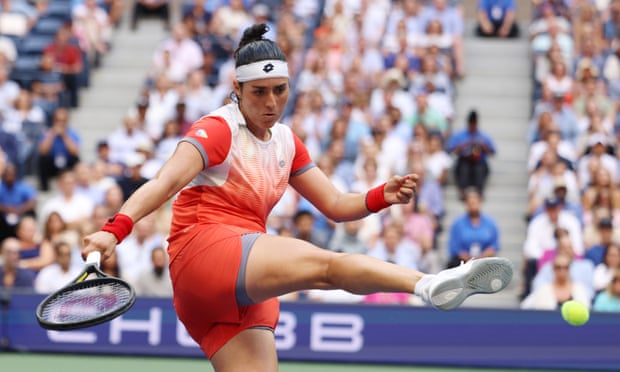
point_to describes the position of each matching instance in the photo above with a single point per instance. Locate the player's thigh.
(251, 350)
(277, 265)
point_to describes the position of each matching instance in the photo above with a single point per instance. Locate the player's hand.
(101, 241)
(400, 189)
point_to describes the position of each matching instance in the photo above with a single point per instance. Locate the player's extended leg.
(278, 265)
(250, 350)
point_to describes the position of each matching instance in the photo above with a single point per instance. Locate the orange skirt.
(204, 265)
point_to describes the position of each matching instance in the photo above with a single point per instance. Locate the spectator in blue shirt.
(609, 300)
(472, 148)
(17, 198)
(496, 18)
(474, 234)
(58, 148)
(11, 275)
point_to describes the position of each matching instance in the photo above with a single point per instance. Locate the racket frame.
(92, 267)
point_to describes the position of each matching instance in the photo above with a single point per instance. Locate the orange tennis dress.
(229, 201)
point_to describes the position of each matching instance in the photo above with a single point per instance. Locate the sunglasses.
(562, 267)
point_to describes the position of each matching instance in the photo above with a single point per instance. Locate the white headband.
(270, 68)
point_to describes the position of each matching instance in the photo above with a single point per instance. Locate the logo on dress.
(201, 133)
(268, 68)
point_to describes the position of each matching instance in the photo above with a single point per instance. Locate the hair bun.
(253, 33)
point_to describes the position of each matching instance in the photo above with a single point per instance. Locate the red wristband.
(375, 199)
(119, 225)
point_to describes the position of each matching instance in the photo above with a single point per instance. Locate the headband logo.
(268, 68)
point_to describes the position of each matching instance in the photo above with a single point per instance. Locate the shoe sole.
(488, 275)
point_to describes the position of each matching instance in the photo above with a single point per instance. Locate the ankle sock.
(421, 287)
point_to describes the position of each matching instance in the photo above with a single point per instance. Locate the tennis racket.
(86, 302)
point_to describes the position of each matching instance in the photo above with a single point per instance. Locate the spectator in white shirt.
(74, 208)
(125, 140)
(540, 236)
(155, 281)
(134, 253)
(58, 274)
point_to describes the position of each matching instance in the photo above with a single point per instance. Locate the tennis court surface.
(25, 362)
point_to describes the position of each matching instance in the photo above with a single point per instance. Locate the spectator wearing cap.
(598, 150)
(496, 18)
(132, 179)
(472, 148)
(540, 236)
(598, 235)
(473, 234)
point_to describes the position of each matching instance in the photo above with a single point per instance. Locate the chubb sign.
(329, 332)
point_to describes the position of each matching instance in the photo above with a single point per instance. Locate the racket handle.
(94, 258)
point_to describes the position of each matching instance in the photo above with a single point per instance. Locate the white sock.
(421, 287)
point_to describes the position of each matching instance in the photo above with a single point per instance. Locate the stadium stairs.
(498, 85)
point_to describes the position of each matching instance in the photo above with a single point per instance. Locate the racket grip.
(94, 258)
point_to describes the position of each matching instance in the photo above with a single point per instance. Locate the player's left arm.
(315, 186)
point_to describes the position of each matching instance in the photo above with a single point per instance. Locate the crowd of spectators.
(373, 93)
(571, 247)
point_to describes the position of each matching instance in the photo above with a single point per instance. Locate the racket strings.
(91, 299)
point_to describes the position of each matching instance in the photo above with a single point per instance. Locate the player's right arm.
(206, 144)
(177, 172)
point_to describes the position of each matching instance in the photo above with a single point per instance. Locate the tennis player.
(228, 172)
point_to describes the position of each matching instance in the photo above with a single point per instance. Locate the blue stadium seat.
(25, 69)
(34, 44)
(59, 9)
(47, 26)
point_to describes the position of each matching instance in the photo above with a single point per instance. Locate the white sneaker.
(482, 275)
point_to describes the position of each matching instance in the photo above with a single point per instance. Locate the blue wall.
(351, 333)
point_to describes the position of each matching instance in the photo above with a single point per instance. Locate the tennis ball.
(575, 313)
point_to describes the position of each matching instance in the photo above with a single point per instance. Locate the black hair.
(472, 118)
(254, 47)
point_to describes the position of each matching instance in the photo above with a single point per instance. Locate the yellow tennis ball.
(575, 313)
